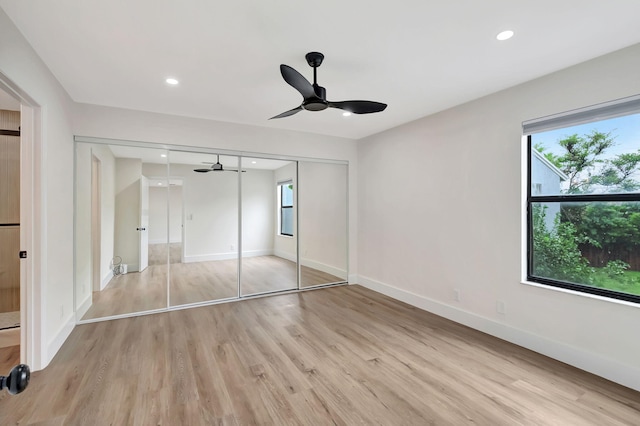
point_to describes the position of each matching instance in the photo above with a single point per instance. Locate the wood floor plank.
(9, 357)
(336, 356)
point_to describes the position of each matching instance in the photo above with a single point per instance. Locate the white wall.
(8, 102)
(437, 218)
(258, 212)
(322, 202)
(83, 226)
(158, 198)
(127, 211)
(52, 255)
(108, 208)
(211, 211)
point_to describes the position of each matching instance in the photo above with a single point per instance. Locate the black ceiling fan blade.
(288, 113)
(297, 81)
(359, 107)
(202, 170)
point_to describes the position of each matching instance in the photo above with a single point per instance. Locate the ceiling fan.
(216, 167)
(315, 96)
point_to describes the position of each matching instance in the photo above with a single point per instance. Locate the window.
(583, 200)
(285, 196)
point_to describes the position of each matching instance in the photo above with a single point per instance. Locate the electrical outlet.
(456, 294)
(500, 307)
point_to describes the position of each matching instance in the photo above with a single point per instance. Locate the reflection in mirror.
(269, 237)
(203, 213)
(150, 233)
(322, 189)
(113, 273)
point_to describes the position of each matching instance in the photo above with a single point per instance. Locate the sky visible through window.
(625, 131)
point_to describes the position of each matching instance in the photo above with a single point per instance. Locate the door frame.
(96, 223)
(143, 234)
(31, 300)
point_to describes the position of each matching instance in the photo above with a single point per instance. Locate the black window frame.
(283, 207)
(559, 199)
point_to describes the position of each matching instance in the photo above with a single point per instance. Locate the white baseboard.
(353, 279)
(226, 256)
(56, 343)
(105, 280)
(625, 375)
(285, 255)
(256, 253)
(323, 267)
(84, 306)
(164, 241)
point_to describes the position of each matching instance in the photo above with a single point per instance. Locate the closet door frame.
(240, 155)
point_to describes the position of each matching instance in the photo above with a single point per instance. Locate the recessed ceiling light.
(505, 35)
(171, 81)
(163, 155)
(253, 162)
(159, 183)
(346, 114)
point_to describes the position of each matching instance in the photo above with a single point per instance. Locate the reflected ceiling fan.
(314, 97)
(216, 167)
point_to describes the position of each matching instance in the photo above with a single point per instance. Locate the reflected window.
(285, 195)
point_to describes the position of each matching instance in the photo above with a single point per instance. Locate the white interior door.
(144, 223)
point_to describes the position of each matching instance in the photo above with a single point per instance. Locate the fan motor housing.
(319, 103)
(315, 105)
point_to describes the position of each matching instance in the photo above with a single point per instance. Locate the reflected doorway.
(113, 275)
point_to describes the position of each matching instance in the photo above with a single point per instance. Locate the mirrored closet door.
(322, 194)
(204, 258)
(160, 228)
(269, 226)
(120, 233)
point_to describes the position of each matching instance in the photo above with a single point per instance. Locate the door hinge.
(23, 254)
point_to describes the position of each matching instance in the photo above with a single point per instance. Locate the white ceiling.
(418, 56)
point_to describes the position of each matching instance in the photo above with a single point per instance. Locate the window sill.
(580, 293)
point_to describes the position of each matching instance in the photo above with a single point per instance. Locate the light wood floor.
(342, 355)
(9, 357)
(158, 253)
(198, 282)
